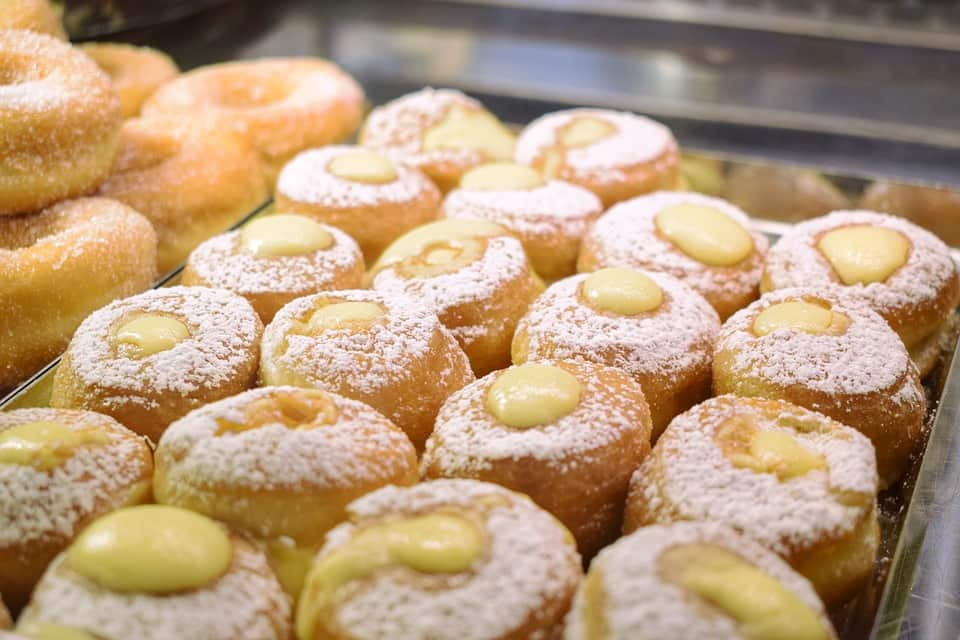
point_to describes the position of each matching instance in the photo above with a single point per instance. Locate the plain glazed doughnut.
(442, 132)
(59, 265)
(549, 217)
(567, 434)
(283, 105)
(797, 482)
(442, 560)
(693, 581)
(706, 242)
(59, 470)
(152, 358)
(190, 177)
(364, 193)
(135, 72)
(155, 572)
(32, 15)
(59, 122)
(649, 324)
(617, 155)
(276, 259)
(381, 349)
(828, 351)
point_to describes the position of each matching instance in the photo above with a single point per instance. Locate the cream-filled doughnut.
(473, 274)
(59, 122)
(158, 572)
(59, 265)
(649, 324)
(905, 273)
(282, 105)
(442, 560)
(32, 15)
(190, 177)
(442, 132)
(550, 217)
(150, 359)
(365, 193)
(60, 470)
(797, 482)
(135, 72)
(616, 155)
(276, 259)
(378, 348)
(704, 241)
(567, 434)
(690, 581)
(826, 350)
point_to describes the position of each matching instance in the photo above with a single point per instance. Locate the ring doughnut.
(362, 192)
(283, 105)
(549, 217)
(442, 132)
(616, 155)
(704, 241)
(156, 572)
(452, 556)
(826, 350)
(152, 358)
(651, 325)
(694, 580)
(59, 471)
(276, 259)
(189, 177)
(567, 434)
(59, 122)
(383, 350)
(135, 72)
(32, 15)
(59, 265)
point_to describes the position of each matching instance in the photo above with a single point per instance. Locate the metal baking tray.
(915, 586)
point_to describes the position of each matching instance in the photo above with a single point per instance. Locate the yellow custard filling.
(705, 234)
(533, 394)
(622, 291)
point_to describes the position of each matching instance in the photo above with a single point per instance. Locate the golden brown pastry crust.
(32, 15)
(135, 72)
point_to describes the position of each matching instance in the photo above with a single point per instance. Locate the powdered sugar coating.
(48, 505)
(223, 263)
(627, 236)
(795, 261)
(636, 141)
(274, 456)
(688, 477)
(246, 603)
(865, 358)
(306, 179)
(667, 342)
(641, 605)
(529, 564)
(224, 332)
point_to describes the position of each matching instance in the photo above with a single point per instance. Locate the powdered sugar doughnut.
(577, 459)
(616, 155)
(706, 242)
(364, 193)
(151, 358)
(913, 283)
(667, 346)
(442, 132)
(59, 122)
(678, 582)
(59, 265)
(549, 217)
(276, 259)
(59, 470)
(135, 72)
(473, 274)
(283, 105)
(378, 348)
(512, 578)
(32, 15)
(826, 350)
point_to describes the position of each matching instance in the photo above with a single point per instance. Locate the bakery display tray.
(914, 591)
